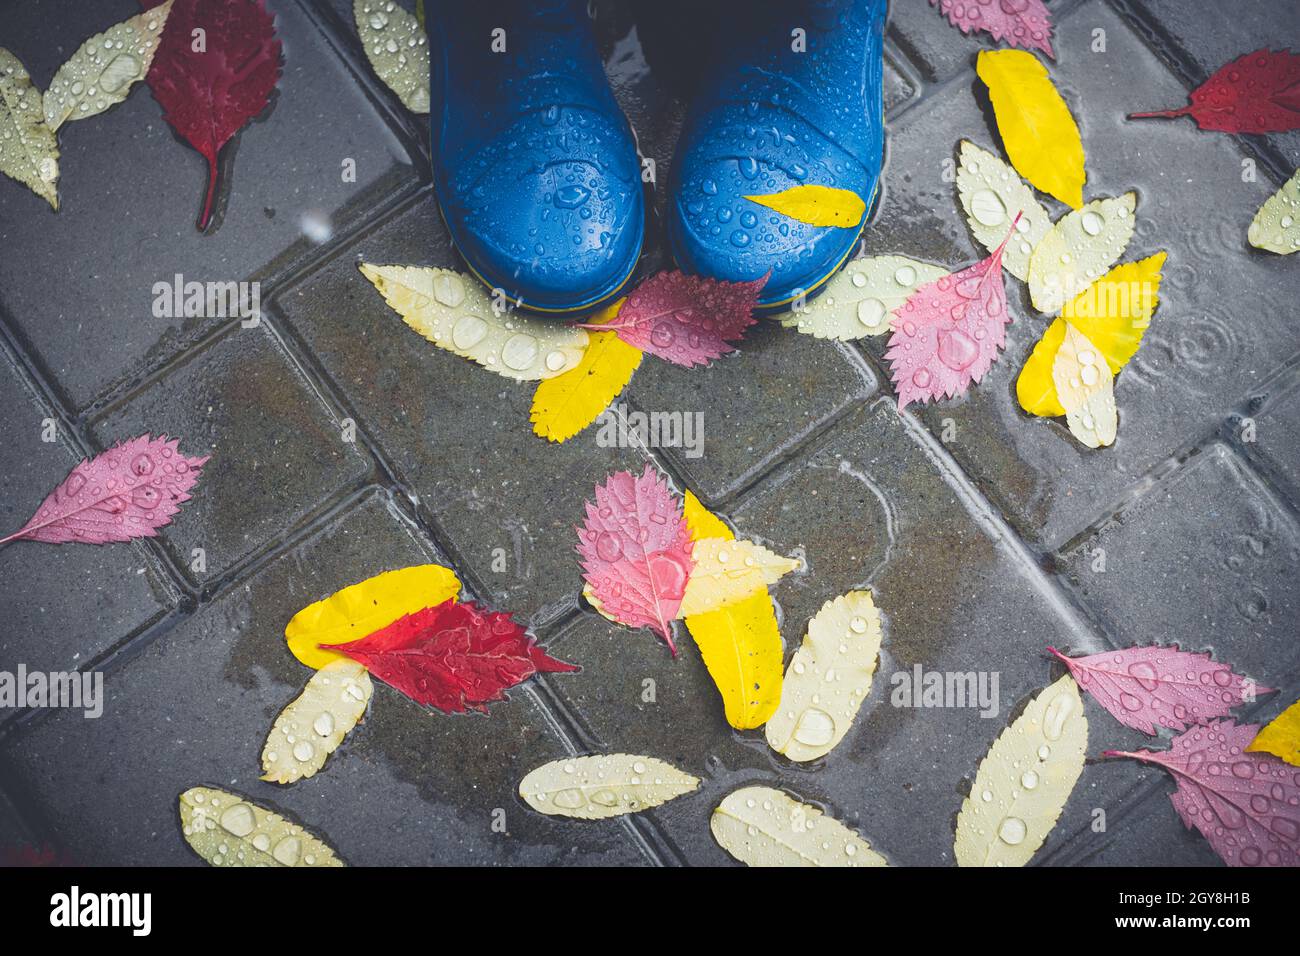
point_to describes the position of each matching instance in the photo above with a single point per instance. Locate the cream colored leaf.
(312, 727)
(589, 593)
(397, 49)
(596, 787)
(101, 73)
(858, 300)
(1276, 226)
(992, 193)
(29, 152)
(764, 827)
(1078, 250)
(1086, 389)
(828, 678)
(724, 572)
(1021, 787)
(454, 312)
(227, 830)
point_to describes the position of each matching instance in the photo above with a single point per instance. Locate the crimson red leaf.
(129, 491)
(1022, 23)
(1255, 93)
(636, 551)
(684, 319)
(947, 334)
(452, 656)
(1149, 687)
(1246, 804)
(210, 84)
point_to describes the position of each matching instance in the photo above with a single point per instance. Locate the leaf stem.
(1161, 114)
(205, 218)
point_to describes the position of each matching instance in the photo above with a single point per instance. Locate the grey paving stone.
(1222, 326)
(278, 453)
(1201, 37)
(62, 605)
(1206, 561)
(406, 787)
(1275, 437)
(456, 433)
(870, 508)
(81, 291)
(17, 844)
(1147, 833)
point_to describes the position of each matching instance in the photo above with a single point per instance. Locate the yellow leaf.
(828, 678)
(816, 205)
(1281, 737)
(1276, 227)
(227, 830)
(726, 572)
(1115, 311)
(1035, 388)
(1080, 247)
(29, 151)
(1085, 389)
(312, 727)
(702, 522)
(1037, 129)
(565, 405)
(1021, 787)
(361, 609)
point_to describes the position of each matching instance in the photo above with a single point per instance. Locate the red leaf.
(1149, 687)
(129, 491)
(1246, 804)
(1022, 23)
(453, 656)
(947, 334)
(208, 95)
(1256, 93)
(636, 551)
(684, 319)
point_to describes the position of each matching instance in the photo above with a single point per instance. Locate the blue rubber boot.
(769, 118)
(535, 168)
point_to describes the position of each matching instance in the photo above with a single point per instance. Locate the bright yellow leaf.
(361, 609)
(1035, 388)
(816, 205)
(740, 644)
(568, 403)
(1115, 311)
(1037, 129)
(1281, 737)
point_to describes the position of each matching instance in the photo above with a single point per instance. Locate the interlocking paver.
(65, 605)
(1273, 435)
(281, 451)
(406, 787)
(1147, 832)
(81, 292)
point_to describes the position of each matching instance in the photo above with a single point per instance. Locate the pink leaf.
(1022, 23)
(1149, 687)
(129, 491)
(636, 551)
(685, 319)
(1246, 804)
(947, 334)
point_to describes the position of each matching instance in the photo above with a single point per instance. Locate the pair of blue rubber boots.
(537, 173)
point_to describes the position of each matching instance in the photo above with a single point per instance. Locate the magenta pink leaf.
(209, 93)
(947, 334)
(1022, 23)
(636, 551)
(1246, 804)
(129, 491)
(1149, 687)
(685, 319)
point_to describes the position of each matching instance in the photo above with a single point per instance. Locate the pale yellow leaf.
(859, 299)
(311, 728)
(725, 572)
(397, 48)
(29, 152)
(1021, 787)
(605, 785)
(761, 826)
(828, 678)
(454, 312)
(1276, 227)
(992, 193)
(101, 73)
(227, 830)
(1037, 129)
(817, 205)
(1078, 250)
(1085, 388)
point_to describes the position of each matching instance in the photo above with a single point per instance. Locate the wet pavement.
(977, 527)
